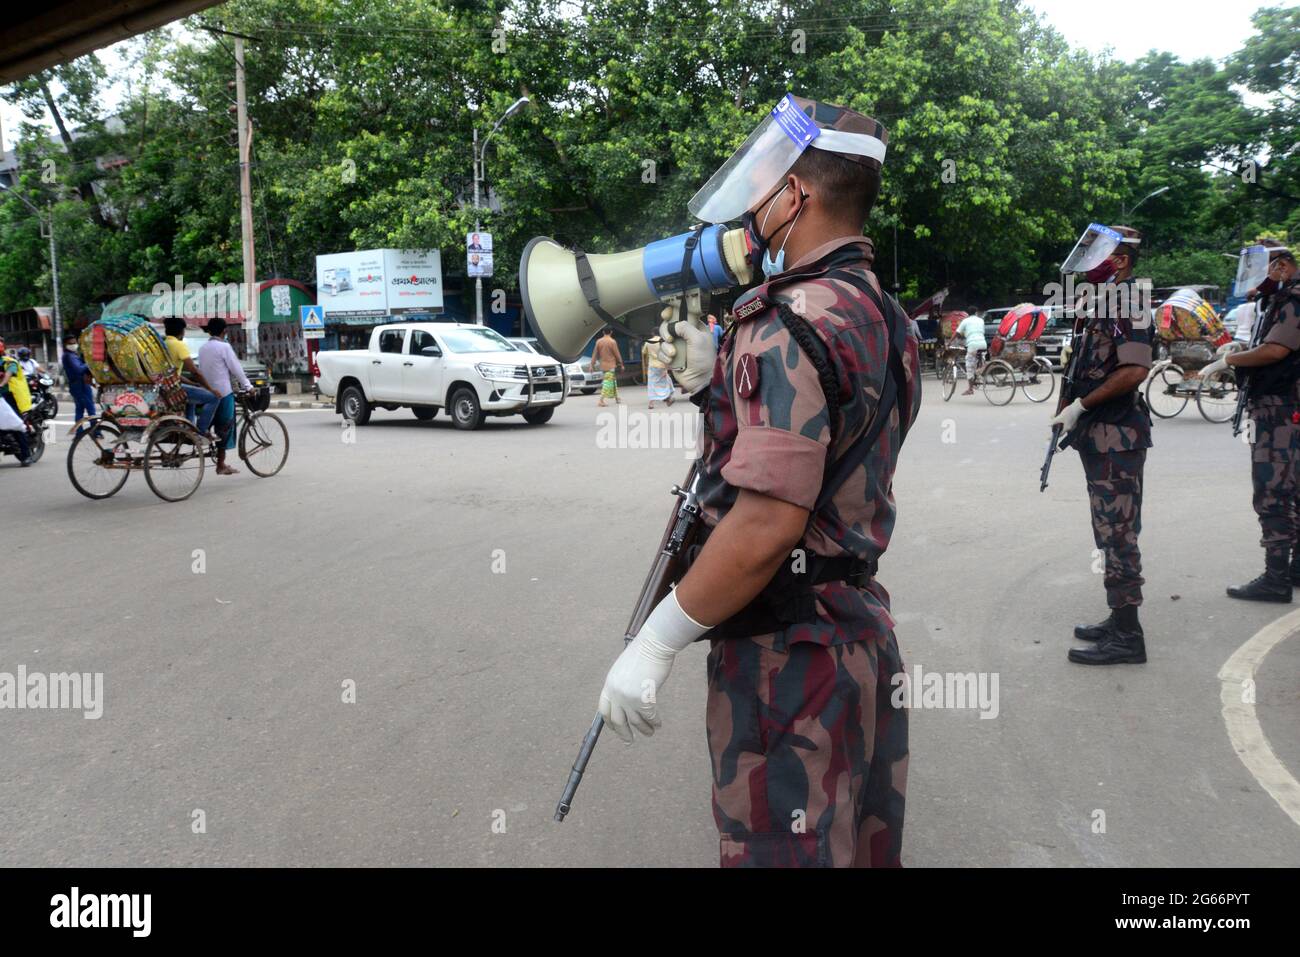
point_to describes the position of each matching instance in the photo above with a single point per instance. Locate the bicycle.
(170, 451)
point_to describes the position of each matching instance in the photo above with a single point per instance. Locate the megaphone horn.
(569, 295)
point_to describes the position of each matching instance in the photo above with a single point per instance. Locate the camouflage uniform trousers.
(1115, 497)
(1274, 458)
(809, 754)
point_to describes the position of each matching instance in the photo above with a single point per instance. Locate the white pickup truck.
(469, 370)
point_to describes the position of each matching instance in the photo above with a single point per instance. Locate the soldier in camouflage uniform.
(1270, 374)
(1108, 423)
(805, 412)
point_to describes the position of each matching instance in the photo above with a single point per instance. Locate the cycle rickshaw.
(142, 425)
(1189, 335)
(1012, 360)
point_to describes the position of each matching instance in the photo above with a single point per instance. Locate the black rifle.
(1244, 377)
(1077, 345)
(666, 570)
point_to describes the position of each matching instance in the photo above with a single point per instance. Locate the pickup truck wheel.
(539, 416)
(424, 412)
(354, 406)
(466, 413)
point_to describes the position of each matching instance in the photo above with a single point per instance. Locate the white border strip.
(1243, 725)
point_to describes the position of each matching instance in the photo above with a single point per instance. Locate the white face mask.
(74, 347)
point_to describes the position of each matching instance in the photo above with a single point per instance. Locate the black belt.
(852, 571)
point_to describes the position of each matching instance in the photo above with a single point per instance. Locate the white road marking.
(1243, 724)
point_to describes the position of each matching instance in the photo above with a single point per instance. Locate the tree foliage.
(1004, 140)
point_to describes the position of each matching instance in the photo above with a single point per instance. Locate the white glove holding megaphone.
(689, 350)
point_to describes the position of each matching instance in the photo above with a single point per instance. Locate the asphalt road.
(474, 586)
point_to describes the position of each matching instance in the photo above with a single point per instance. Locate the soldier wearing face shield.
(1108, 423)
(1269, 374)
(806, 406)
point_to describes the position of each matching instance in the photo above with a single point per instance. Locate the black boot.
(1295, 565)
(1123, 645)
(1095, 632)
(1273, 585)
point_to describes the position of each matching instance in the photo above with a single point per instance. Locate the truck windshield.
(475, 340)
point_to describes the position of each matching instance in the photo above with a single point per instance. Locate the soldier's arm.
(1281, 341)
(1120, 382)
(1264, 354)
(1134, 356)
(777, 464)
(741, 556)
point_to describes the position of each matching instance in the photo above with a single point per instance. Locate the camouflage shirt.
(767, 426)
(1281, 325)
(1111, 343)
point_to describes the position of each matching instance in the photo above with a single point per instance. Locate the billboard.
(414, 281)
(375, 283)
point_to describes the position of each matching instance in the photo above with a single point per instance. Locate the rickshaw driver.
(220, 368)
(971, 329)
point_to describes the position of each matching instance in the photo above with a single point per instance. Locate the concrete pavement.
(472, 588)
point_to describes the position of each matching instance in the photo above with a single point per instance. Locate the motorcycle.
(42, 389)
(35, 423)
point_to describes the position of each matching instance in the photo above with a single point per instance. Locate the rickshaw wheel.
(1040, 382)
(174, 460)
(264, 444)
(1217, 400)
(89, 454)
(949, 380)
(1165, 392)
(999, 382)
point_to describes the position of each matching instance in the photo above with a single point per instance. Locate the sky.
(1189, 28)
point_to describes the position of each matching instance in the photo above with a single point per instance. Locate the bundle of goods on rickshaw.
(1185, 315)
(129, 360)
(1024, 322)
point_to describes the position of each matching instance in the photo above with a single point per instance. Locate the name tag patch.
(757, 304)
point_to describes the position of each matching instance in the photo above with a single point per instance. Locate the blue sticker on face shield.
(794, 122)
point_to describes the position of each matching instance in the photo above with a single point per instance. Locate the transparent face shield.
(748, 176)
(755, 169)
(1093, 248)
(1252, 269)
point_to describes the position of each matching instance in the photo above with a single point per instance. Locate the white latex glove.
(1217, 366)
(1069, 417)
(629, 698)
(701, 353)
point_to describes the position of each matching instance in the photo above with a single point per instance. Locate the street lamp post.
(1154, 192)
(47, 229)
(478, 178)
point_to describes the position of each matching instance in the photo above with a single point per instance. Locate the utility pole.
(250, 304)
(54, 281)
(478, 280)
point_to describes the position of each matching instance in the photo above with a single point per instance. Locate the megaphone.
(570, 296)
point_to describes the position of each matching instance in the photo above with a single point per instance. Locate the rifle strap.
(895, 381)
